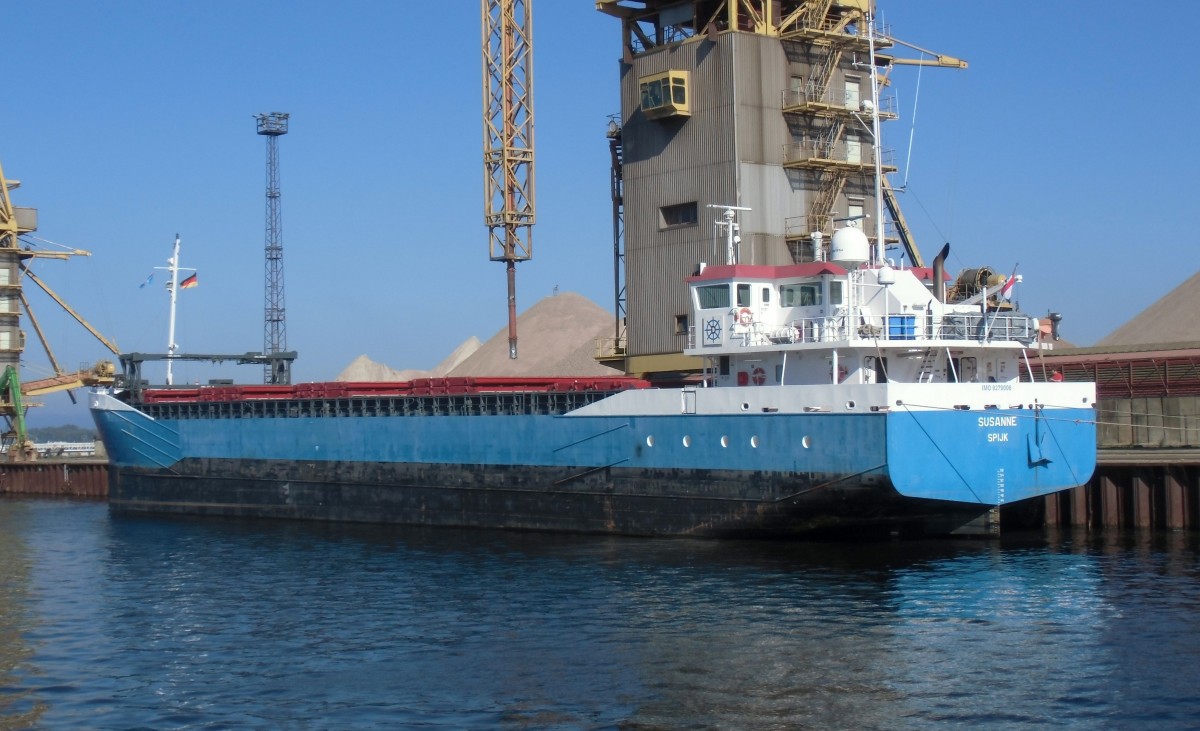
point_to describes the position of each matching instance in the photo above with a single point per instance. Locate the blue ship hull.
(744, 474)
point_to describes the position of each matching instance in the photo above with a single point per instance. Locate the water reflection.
(19, 708)
(254, 624)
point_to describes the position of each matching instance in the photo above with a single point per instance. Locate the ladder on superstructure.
(925, 373)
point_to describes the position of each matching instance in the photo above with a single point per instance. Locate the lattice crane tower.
(274, 125)
(508, 140)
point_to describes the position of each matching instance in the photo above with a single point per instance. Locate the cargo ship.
(837, 397)
(840, 396)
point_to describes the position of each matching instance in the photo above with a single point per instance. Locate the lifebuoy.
(759, 376)
(745, 316)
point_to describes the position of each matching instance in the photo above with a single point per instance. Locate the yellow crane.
(102, 373)
(928, 58)
(15, 224)
(508, 210)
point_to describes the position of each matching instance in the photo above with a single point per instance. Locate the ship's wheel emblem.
(712, 329)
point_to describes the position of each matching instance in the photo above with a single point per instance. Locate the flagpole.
(174, 287)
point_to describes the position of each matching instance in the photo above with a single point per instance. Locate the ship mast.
(173, 288)
(877, 147)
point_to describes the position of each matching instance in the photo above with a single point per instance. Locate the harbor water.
(112, 622)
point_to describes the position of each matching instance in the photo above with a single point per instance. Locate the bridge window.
(743, 295)
(712, 296)
(800, 295)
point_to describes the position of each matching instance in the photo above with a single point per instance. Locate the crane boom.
(906, 238)
(938, 59)
(101, 374)
(70, 310)
(37, 327)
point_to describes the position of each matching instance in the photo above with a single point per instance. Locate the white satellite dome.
(849, 246)
(886, 275)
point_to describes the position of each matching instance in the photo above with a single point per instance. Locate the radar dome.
(886, 275)
(849, 246)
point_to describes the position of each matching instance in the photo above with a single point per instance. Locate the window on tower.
(665, 94)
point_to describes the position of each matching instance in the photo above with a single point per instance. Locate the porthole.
(745, 407)
(806, 442)
(849, 404)
(687, 440)
(754, 441)
(724, 441)
(650, 441)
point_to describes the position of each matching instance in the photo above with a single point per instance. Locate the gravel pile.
(555, 337)
(1172, 319)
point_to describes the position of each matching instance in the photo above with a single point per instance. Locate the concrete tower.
(762, 104)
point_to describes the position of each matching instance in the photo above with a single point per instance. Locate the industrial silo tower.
(760, 104)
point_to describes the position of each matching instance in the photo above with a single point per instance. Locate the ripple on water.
(124, 623)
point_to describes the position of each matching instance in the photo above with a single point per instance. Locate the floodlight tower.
(274, 125)
(508, 140)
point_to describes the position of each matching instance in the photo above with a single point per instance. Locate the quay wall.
(1147, 473)
(66, 477)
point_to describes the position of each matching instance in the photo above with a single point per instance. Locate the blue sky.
(131, 121)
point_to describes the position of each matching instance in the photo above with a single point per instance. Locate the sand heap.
(555, 337)
(1172, 319)
(364, 369)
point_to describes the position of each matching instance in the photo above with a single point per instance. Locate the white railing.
(963, 327)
